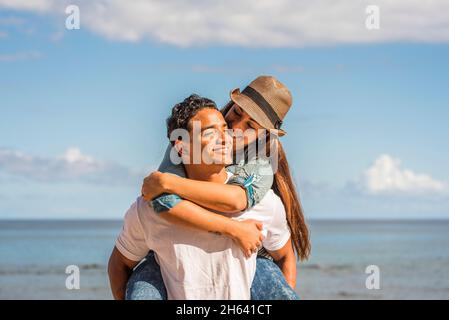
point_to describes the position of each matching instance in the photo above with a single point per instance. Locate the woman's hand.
(153, 185)
(247, 234)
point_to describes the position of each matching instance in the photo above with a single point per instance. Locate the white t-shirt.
(197, 264)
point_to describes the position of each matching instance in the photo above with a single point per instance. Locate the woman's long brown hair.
(284, 187)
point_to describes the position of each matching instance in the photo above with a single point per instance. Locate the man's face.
(209, 136)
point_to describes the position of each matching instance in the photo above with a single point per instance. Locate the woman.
(262, 105)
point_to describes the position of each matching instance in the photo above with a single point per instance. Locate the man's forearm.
(288, 268)
(286, 260)
(118, 279)
(119, 274)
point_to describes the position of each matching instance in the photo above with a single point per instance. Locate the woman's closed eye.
(237, 112)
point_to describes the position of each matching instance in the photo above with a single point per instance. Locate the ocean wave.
(46, 270)
(326, 267)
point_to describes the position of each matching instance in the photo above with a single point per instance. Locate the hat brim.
(253, 110)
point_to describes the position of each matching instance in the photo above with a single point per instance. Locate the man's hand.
(247, 234)
(153, 185)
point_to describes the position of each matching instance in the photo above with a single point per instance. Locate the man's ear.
(179, 146)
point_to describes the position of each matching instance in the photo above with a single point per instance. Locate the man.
(197, 264)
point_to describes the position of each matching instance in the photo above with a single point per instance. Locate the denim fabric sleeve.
(255, 176)
(167, 201)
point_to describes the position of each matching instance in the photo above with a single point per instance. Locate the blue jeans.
(146, 282)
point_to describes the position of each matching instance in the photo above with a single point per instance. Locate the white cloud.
(387, 177)
(72, 166)
(74, 155)
(253, 23)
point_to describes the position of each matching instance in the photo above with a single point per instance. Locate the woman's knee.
(146, 282)
(269, 283)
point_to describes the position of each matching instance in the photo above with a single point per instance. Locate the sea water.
(412, 258)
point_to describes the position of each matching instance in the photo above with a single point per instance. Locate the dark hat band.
(264, 105)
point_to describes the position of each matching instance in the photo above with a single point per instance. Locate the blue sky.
(82, 116)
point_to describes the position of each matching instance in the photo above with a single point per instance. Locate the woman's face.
(238, 119)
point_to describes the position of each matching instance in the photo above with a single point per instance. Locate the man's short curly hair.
(182, 112)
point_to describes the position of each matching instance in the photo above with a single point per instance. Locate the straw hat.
(266, 100)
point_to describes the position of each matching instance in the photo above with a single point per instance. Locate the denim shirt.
(254, 175)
